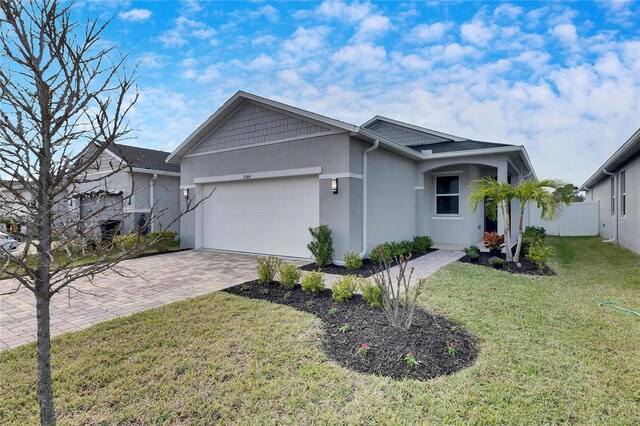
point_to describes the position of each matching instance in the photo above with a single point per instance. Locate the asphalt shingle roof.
(467, 145)
(144, 158)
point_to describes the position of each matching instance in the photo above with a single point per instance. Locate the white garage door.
(270, 216)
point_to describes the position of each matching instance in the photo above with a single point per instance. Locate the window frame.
(623, 193)
(436, 195)
(612, 204)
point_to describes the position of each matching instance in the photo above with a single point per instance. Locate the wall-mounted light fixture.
(185, 193)
(334, 185)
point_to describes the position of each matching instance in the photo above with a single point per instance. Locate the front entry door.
(489, 224)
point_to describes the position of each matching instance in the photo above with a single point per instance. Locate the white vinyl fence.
(576, 220)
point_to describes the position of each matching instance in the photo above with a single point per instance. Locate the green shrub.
(160, 240)
(388, 251)
(381, 253)
(267, 268)
(371, 294)
(472, 252)
(495, 261)
(312, 282)
(539, 254)
(321, 245)
(532, 235)
(289, 275)
(128, 241)
(343, 289)
(352, 261)
(422, 244)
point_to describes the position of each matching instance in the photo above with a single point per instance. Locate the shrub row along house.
(616, 184)
(273, 170)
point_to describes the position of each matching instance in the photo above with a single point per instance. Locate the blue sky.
(563, 79)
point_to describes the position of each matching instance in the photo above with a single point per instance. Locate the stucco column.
(502, 176)
(198, 197)
(420, 209)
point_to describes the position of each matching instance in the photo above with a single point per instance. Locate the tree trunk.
(45, 387)
(516, 258)
(507, 230)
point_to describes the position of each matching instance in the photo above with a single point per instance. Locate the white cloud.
(566, 33)
(451, 52)
(153, 61)
(307, 40)
(476, 32)
(191, 6)
(270, 13)
(508, 10)
(339, 9)
(262, 62)
(375, 24)
(135, 15)
(185, 28)
(361, 56)
(265, 40)
(209, 74)
(426, 32)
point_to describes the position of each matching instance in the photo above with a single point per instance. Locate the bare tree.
(61, 90)
(398, 302)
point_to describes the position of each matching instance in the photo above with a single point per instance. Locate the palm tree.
(541, 193)
(495, 195)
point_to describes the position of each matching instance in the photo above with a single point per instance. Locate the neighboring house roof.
(628, 149)
(466, 145)
(144, 158)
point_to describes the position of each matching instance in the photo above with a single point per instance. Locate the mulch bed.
(427, 339)
(527, 267)
(368, 267)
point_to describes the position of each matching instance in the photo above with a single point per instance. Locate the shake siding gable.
(252, 124)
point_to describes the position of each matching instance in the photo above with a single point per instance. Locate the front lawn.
(548, 355)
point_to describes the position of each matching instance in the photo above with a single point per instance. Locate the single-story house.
(143, 190)
(267, 171)
(616, 184)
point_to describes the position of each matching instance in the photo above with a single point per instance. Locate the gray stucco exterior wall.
(391, 197)
(330, 152)
(629, 223)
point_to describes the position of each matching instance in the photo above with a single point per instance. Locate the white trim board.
(154, 172)
(187, 187)
(340, 176)
(260, 175)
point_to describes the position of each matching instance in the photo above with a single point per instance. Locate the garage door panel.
(262, 216)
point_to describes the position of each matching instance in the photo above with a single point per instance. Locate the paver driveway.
(160, 280)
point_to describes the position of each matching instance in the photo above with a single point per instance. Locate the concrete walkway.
(159, 280)
(424, 266)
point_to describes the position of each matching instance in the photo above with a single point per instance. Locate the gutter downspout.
(615, 207)
(376, 144)
(152, 182)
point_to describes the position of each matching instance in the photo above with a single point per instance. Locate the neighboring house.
(143, 182)
(616, 184)
(278, 170)
(15, 217)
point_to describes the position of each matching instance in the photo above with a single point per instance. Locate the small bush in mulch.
(367, 269)
(527, 267)
(428, 341)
